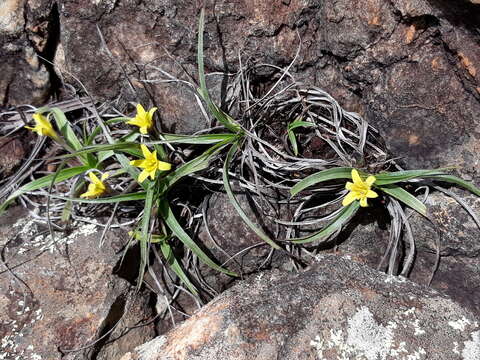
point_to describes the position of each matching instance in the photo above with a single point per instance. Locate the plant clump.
(306, 165)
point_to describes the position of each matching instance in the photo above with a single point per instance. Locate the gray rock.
(448, 229)
(26, 31)
(51, 304)
(337, 309)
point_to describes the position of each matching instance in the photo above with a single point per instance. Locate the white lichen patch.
(28, 230)
(417, 329)
(455, 348)
(367, 337)
(390, 279)
(471, 351)
(459, 324)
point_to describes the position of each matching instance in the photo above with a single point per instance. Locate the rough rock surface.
(337, 309)
(410, 67)
(448, 229)
(50, 305)
(231, 241)
(27, 29)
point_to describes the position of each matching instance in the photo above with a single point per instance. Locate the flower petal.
(91, 191)
(151, 112)
(370, 180)
(143, 175)
(143, 130)
(371, 194)
(152, 174)
(137, 163)
(347, 200)
(164, 166)
(146, 153)
(94, 179)
(363, 202)
(104, 176)
(134, 121)
(140, 110)
(356, 177)
(348, 185)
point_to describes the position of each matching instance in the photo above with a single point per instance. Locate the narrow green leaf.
(98, 129)
(177, 230)
(399, 176)
(199, 163)
(102, 147)
(226, 183)
(154, 238)
(70, 137)
(193, 139)
(65, 128)
(176, 266)
(457, 181)
(299, 123)
(405, 197)
(336, 224)
(223, 118)
(293, 141)
(144, 229)
(106, 200)
(44, 182)
(324, 175)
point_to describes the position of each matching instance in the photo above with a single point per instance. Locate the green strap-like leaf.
(324, 175)
(107, 200)
(197, 164)
(399, 176)
(144, 230)
(177, 230)
(70, 137)
(336, 224)
(405, 197)
(45, 181)
(457, 181)
(193, 139)
(176, 266)
(223, 118)
(235, 203)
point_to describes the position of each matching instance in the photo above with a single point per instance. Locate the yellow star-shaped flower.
(359, 189)
(150, 164)
(143, 119)
(96, 188)
(43, 127)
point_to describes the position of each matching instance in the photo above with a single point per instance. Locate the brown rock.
(52, 304)
(11, 154)
(26, 32)
(335, 309)
(448, 228)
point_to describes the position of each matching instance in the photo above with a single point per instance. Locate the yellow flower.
(359, 189)
(96, 188)
(143, 119)
(43, 127)
(150, 165)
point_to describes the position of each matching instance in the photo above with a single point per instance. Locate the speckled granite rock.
(51, 306)
(337, 309)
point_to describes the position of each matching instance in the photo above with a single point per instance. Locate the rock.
(409, 67)
(27, 30)
(335, 309)
(57, 306)
(448, 228)
(11, 154)
(234, 243)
